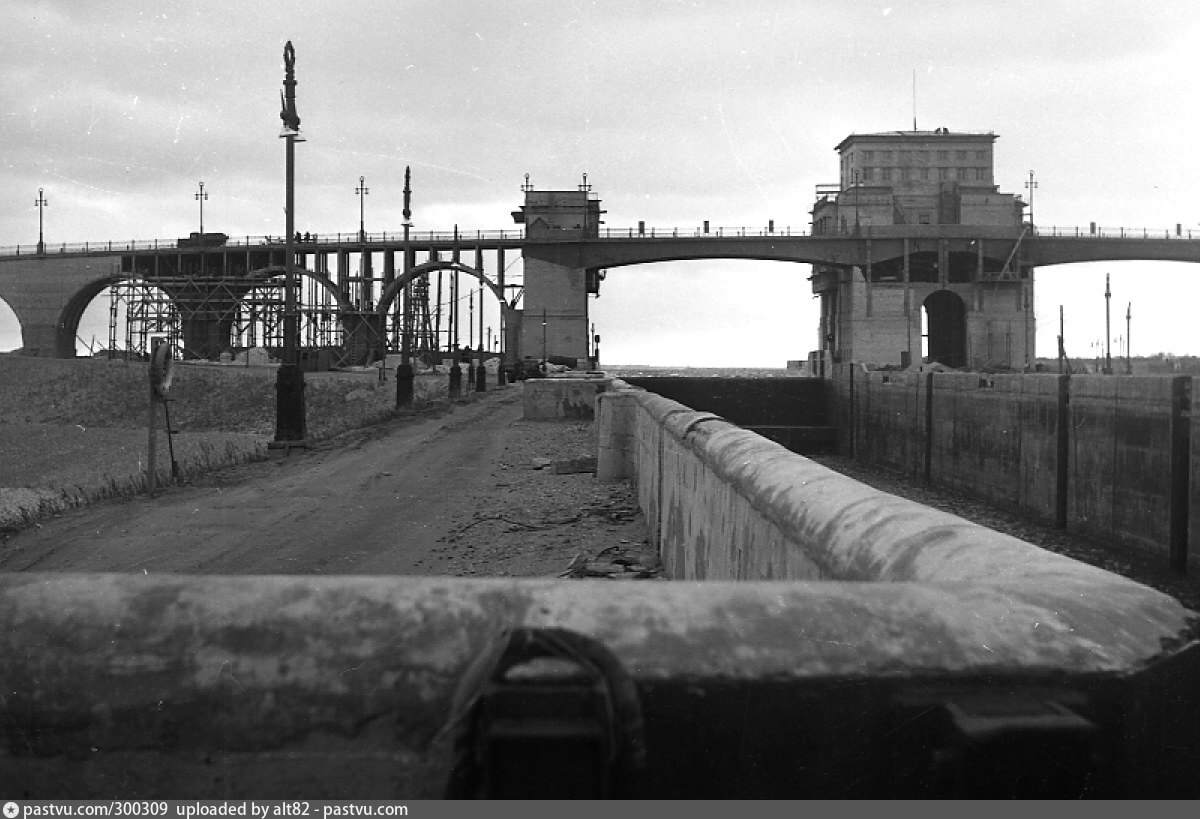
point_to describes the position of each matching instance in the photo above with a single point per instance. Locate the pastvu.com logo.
(11, 810)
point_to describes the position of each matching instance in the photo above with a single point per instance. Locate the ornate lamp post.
(1031, 185)
(41, 203)
(200, 197)
(362, 191)
(290, 429)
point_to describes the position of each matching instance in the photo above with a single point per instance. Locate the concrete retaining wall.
(1100, 455)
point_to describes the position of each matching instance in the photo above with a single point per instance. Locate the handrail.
(465, 238)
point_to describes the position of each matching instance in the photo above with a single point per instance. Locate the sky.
(678, 112)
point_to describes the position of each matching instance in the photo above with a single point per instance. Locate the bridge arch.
(393, 289)
(725, 312)
(72, 312)
(274, 271)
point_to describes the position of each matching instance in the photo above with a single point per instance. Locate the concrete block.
(557, 399)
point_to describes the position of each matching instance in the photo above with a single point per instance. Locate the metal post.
(1129, 339)
(1107, 327)
(362, 191)
(405, 343)
(41, 203)
(1031, 185)
(290, 427)
(201, 196)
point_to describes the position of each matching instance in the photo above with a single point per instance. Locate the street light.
(362, 191)
(1031, 185)
(290, 427)
(41, 203)
(201, 196)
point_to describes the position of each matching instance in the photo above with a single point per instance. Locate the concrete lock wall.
(1100, 455)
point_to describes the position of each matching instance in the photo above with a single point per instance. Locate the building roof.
(923, 136)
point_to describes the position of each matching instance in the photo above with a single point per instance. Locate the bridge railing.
(647, 232)
(468, 237)
(1097, 232)
(342, 238)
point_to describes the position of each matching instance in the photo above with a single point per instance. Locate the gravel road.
(448, 493)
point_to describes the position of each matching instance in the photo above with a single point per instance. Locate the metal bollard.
(404, 386)
(456, 376)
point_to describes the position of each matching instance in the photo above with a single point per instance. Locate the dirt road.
(449, 494)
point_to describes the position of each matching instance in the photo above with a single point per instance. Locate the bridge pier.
(557, 278)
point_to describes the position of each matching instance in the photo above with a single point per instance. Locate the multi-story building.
(944, 240)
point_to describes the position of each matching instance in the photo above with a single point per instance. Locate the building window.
(981, 174)
(923, 156)
(923, 219)
(924, 174)
(905, 174)
(885, 174)
(943, 174)
(868, 155)
(981, 155)
(885, 156)
(943, 154)
(963, 174)
(868, 174)
(906, 157)
(960, 154)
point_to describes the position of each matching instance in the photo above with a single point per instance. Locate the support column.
(554, 289)
(907, 306)
(870, 283)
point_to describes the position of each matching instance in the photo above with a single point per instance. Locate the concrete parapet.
(556, 399)
(124, 686)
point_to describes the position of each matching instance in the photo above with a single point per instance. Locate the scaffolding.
(162, 293)
(148, 312)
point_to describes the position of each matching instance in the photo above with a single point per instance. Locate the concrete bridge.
(887, 269)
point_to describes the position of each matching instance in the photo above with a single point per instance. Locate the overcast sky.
(677, 111)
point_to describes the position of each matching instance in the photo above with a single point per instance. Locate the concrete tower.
(943, 278)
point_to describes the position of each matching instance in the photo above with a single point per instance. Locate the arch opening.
(118, 317)
(944, 329)
(10, 328)
(441, 316)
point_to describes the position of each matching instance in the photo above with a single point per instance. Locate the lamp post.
(41, 203)
(1031, 185)
(289, 408)
(1129, 339)
(406, 324)
(201, 196)
(1107, 326)
(362, 191)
